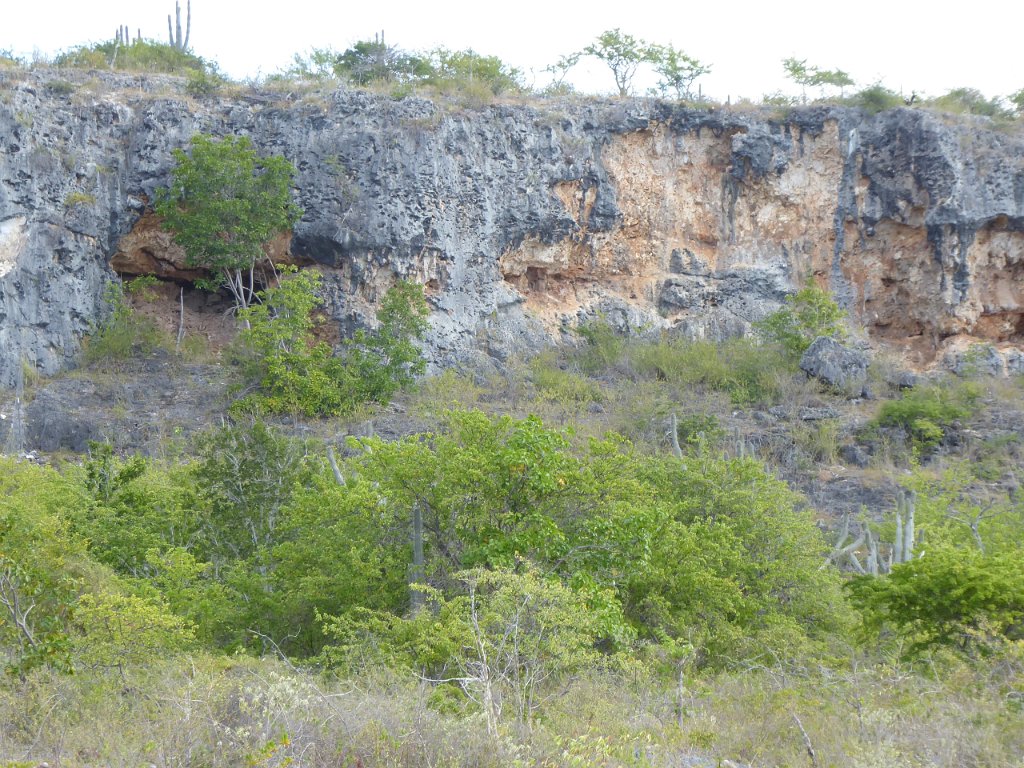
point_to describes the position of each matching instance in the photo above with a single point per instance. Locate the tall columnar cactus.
(174, 33)
(123, 36)
(901, 550)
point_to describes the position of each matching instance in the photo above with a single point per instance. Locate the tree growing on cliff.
(224, 203)
(623, 54)
(676, 71)
(1017, 100)
(804, 74)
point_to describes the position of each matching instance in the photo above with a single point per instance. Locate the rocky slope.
(524, 220)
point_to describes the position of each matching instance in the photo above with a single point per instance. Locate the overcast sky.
(909, 45)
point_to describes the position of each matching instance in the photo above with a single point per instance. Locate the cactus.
(174, 34)
(123, 37)
(901, 551)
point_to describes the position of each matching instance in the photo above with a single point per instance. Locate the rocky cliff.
(524, 220)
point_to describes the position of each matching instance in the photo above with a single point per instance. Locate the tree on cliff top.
(224, 203)
(623, 54)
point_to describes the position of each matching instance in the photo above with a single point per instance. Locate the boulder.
(840, 367)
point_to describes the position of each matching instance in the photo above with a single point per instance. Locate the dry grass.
(259, 712)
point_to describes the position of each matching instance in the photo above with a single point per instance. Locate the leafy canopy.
(224, 203)
(623, 54)
(296, 374)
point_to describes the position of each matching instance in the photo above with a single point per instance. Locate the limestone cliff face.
(523, 221)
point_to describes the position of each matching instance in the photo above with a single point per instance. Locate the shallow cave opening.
(536, 278)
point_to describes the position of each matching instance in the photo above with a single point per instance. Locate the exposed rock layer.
(522, 221)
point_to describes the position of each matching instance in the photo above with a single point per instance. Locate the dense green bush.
(296, 374)
(948, 597)
(970, 101)
(875, 98)
(809, 313)
(926, 412)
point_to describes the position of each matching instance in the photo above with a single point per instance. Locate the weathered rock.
(523, 220)
(137, 409)
(840, 367)
(808, 413)
(854, 456)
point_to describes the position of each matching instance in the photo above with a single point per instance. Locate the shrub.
(875, 98)
(809, 313)
(139, 56)
(200, 83)
(297, 375)
(969, 101)
(960, 598)
(604, 346)
(79, 198)
(747, 372)
(124, 333)
(563, 387)
(925, 412)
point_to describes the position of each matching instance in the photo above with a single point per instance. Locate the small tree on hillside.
(1017, 100)
(224, 203)
(623, 54)
(804, 74)
(809, 313)
(677, 71)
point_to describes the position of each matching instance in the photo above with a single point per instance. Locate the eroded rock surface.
(524, 220)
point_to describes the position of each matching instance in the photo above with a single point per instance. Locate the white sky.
(929, 47)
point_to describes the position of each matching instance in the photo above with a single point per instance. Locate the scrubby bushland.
(137, 56)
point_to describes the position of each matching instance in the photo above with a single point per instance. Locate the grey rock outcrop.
(522, 220)
(837, 366)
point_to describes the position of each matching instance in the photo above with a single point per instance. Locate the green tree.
(1017, 100)
(623, 54)
(800, 73)
(803, 74)
(43, 565)
(224, 203)
(295, 374)
(677, 72)
(387, 359)
(809, 313)
(832, 78)
(948, 597)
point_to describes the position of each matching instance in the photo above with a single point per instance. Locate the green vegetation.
(876, 98)
(297, 375)
(624, 54)
(224, 204)
(125, 333)
(1017, 100)
(969, 101)
(138, 56)
(925, 413)
(497, 589)
(677, 72)
(376, 64)
(804, 75)
(809, 313)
